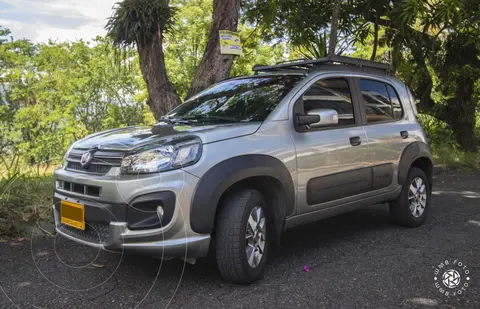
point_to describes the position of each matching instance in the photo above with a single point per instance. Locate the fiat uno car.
(236, 165)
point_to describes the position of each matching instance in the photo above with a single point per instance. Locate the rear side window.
(332, 93)
(381, 101)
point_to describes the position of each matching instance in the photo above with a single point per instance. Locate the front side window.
(380, 100)
(332, 93)
(237, 100)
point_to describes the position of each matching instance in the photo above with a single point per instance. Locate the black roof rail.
(305, 64)
(292, 61)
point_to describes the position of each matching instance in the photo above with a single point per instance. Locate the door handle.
(404, 134)
(355, 140)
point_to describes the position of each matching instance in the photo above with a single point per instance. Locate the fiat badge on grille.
(86, 159)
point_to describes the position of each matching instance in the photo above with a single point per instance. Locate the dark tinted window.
(381, 101)
(239, 100)
(396, 106)
(334, 94)
(377, 102)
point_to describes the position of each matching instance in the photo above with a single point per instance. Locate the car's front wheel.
(412, 206)
(241, 236)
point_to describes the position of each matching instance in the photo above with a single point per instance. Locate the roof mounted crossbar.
(303, 64)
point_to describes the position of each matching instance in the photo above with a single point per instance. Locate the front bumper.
(112, 217)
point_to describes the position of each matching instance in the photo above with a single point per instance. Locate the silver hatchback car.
(236, 165)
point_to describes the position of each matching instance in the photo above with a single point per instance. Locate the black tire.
(231, 229)
(400, 209)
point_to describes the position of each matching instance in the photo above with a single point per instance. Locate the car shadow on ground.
(299, 241)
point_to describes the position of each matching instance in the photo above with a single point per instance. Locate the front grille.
(93, 169)
(94, 232)
(78, 188)
(101, 163)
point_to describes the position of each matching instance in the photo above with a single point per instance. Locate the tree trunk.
(375, 37)
(162, 94)
(332, 43)
(215, 67)
(461, 115)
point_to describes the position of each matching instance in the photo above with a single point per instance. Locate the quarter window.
(332, 93)
(396, 106)
(380, 100)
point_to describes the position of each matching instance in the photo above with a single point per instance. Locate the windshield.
(237, 100)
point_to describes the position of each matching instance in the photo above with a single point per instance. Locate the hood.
(131, 137)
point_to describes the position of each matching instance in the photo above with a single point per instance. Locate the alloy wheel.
(255, 238)
(417, 197)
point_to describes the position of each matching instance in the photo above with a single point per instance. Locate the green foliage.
(51, 95)
(56, 93)
(445, 149)
(439, 134)
(364, 50)
(299, 22)
(255, 51)
(186, 42)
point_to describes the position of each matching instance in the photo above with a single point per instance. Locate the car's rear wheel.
(242, 236)
(412, 206)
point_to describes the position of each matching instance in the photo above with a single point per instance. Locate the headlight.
(163, 158)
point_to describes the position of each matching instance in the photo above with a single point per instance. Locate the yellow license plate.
(72, 214)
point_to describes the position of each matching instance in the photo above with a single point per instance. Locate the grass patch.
(23, 201)
(452, 158)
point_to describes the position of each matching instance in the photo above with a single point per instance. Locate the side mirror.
(304, 120)
(327, 117)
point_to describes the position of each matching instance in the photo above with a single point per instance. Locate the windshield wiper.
(209, 118)
(175, 120)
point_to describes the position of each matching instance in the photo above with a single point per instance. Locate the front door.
(332, 161)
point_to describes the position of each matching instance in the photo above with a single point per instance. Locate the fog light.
(160, 212)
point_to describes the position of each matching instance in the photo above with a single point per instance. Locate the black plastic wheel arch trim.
(411, 153)
(226, 173)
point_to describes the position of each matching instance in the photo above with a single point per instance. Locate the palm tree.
(141, 24)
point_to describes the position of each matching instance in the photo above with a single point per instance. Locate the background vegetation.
(54, 93)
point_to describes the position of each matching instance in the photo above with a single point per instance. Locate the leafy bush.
(438, 132)
(444, 148)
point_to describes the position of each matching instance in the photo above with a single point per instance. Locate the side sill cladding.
(226, 173)
(411, 153)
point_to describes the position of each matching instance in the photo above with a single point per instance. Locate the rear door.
(385, 127)
(332, 161)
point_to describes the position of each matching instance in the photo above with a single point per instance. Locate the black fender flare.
(222, 176)
(411, 153)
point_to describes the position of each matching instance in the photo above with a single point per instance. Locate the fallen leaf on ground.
(98, 265)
